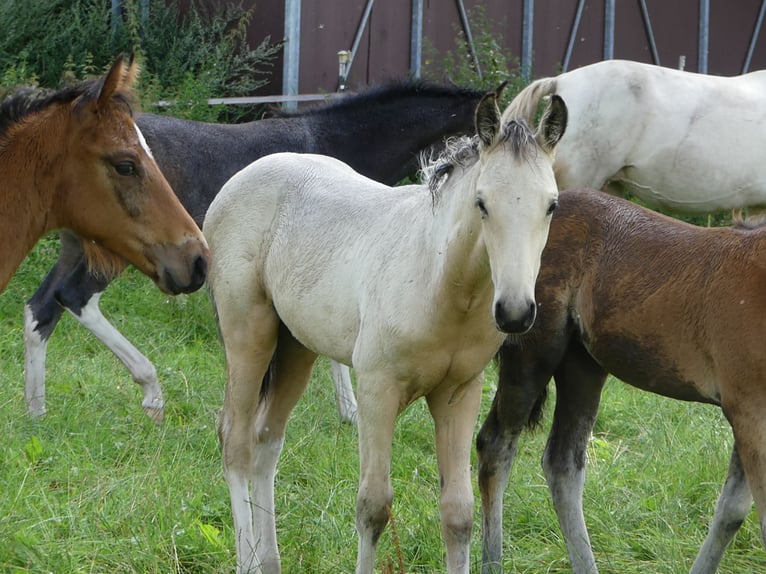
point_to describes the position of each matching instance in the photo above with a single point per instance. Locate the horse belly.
(322, 320)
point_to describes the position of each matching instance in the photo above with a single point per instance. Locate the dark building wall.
(328, 26)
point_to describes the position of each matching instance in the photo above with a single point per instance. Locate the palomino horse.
(404, 118)
(75, 159)
(666, 307)
(412, 286)
(684, 142)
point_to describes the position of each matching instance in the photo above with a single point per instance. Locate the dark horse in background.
(379, 133)
(662, 305)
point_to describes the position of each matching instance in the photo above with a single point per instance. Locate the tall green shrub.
(187, 56)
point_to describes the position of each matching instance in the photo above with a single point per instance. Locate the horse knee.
(457, 517)
(373, 507)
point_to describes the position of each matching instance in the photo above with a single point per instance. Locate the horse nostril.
(199, 270)
(518, 325)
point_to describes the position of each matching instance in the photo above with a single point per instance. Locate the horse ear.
(131, 74)
(488, 116)
(553, 123)
(112, 81)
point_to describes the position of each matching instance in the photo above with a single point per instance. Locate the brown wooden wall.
(328, 26)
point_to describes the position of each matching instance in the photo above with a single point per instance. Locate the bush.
(495, 64)
(186, 57)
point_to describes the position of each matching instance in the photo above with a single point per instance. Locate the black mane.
(379, 95)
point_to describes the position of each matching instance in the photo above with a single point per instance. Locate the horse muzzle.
(515, 319)
(180, 268)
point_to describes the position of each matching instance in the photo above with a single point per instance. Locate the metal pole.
(704, 33)
(754, 39)
(609, 10)
(359, 34)
(416, 39)
(649, 32)
(527, 33)
(573, 35)
(469, 37)
(292, 51)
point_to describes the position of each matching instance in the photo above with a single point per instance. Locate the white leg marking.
(143, 371)
(34, 366)
(344, 393)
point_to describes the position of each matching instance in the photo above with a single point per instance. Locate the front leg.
(379, 405)
(454, 410)
(733, 506)
(579, 381)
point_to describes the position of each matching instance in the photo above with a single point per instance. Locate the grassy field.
(95, 486)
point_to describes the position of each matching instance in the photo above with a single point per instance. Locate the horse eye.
(482, 207)
(126, 168)
(552, 207)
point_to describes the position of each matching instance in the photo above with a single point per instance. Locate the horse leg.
(730, 512)
(249, 335)
(749, 425)
(80, 293)
(344, 393)
(579, 381)
(496, 446)
(521, 390)
(379, 405)
(454, 411)
(41, 315)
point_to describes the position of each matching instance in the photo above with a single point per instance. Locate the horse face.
(516, 195)
(119, 198)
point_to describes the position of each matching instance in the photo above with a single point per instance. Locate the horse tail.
(524, 105)
(536, 413)
(267, 383)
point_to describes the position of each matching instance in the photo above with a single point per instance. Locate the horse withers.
(412, 286)
(664, 306)
(75, 159)
(405, 118)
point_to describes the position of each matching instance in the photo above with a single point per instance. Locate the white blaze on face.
(143, 142)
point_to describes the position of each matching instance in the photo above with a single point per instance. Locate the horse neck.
(382, 140)
(463, 264)
(29, 177)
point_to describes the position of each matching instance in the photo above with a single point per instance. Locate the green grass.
(95, 486)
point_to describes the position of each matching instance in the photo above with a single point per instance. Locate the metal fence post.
(292, 52)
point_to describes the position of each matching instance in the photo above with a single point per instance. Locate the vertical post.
(609, 11)
(572, 36)
(754, 39)
(704, 33)
(416, 39)
(292, 51)
(527, 41)
(469, 37)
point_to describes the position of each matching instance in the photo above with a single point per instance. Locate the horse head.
(115, 195)
(516, 194)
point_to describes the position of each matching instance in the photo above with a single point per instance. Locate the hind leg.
(579, 381)
(292, 368)
(344, 393)
(250, 340)
(733, 505)
(454, 411)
